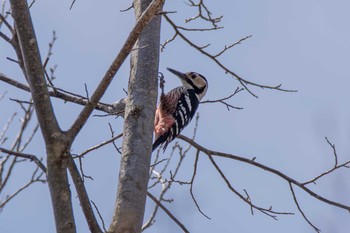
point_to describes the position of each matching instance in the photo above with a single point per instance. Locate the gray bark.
(138, 128)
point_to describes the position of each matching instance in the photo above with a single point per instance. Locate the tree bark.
(138, 128)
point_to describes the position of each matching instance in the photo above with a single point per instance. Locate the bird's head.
(193, 80)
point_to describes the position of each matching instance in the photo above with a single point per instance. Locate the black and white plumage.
(177, 108)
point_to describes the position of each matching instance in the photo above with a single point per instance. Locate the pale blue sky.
(304, 45)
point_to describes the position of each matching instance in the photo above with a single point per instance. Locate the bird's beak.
(182, 76)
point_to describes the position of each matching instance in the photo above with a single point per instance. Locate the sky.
(303, 45)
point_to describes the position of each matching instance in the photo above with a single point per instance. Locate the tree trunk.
(55, 141)
(138, 128)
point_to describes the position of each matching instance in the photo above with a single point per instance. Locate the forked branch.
(291, 181)
(144, 19)
(214, 57)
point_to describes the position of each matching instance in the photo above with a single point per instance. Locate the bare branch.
(167, 42)
(100, 216)
(14, 83)
(335, 166)
(300, 210)
(2, 96)
(269, 212)
(191, 187)
(48, 56)
(18, 147)
(203, 13)
(164, 183)
(8, 173)
(7, 24)
(199, 29)
(6, 127)
(49, 53)
(112, 136)
(158, 203)
(15, 147)
(34, 179)
(21, 102)
(242, 81)
(232, 45)
(31, 4)
(69, 97)
(26, 156)
(3, 36)
(222, 100)
(334, 152)
(34, 70)
(83, 176)
(249, 200)
(144, 19)
(71, 5)
(13, 60)
(83, 196)
(35, 130)
(129, 8)
(99, 145)
(266, 168)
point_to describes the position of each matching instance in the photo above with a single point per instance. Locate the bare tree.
(138, 174)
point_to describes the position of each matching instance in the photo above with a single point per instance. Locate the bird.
(177, 108)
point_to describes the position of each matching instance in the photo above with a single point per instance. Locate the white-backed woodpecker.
(177, 108)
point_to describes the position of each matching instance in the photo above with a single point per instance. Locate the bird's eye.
(193, 76)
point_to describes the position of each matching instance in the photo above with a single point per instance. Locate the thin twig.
(2, 96)
(86, 92)
(83, 176)
(26, 156)
(21, 101)
(198, 29)
(35, 130)
(129, 8)
(214, 58)
(99, 145)
(158, 203)
(4, 20)
(300, 210)
(112, 136)
(203, 13)
(222, 100)
(18, 191)
(335, 166)
(269, 212)
(167, 42)
(334, 152)
(71, 5)
(226, 48)
(6, 38)
(263, 167)
(49, 53)
(191, 186)
(6, 127)
(100, 216)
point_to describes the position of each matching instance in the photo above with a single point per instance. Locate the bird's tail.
(157, 142)
(162, 139)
